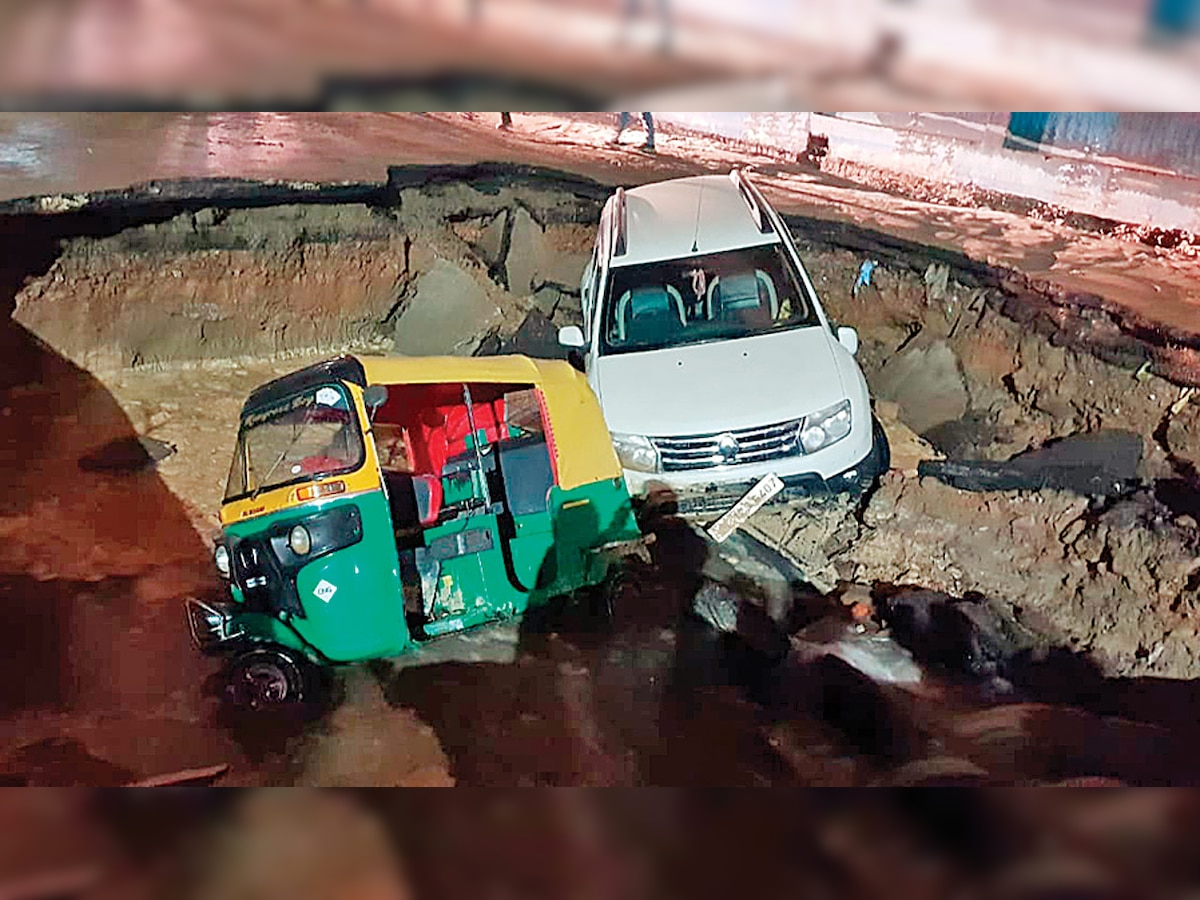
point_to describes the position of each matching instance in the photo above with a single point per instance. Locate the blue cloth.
(865, 271)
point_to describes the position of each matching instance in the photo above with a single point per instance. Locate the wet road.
(71, 153)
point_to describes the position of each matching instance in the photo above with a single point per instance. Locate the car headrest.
(738, 290)
(650, 299)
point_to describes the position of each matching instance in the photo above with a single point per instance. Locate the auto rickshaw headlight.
(300, 540)
(221, 559)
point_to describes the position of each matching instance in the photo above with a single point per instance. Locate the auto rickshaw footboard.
(211, 625)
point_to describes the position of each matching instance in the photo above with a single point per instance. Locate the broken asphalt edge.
(1087, 322)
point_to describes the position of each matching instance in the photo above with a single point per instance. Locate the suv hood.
(719, 386)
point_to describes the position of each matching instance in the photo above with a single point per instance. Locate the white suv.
(710, 353)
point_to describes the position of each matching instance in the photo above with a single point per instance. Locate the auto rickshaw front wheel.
(268, 678)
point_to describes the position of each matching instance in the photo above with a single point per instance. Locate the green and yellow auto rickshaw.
(374, 503)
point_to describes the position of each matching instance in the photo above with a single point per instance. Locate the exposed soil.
(160, 329)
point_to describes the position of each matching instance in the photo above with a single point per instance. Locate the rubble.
(906, 447)
(926, 384)
(1098, 464)
(448, 313)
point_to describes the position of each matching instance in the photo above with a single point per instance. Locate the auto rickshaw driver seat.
(427, 490)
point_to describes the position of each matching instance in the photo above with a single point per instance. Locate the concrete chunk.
(927, 385)
(448, 314)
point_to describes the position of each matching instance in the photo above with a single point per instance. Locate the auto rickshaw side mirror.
(374, 397)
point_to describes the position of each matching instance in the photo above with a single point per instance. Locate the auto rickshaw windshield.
(302, 437)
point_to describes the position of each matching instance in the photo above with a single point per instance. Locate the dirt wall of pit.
(964, 362)
(431, 270)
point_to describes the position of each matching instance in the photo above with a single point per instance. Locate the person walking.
(505, 121)
(633, 9)
(623, 121)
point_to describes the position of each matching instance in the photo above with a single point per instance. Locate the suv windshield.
(732, 294)
(308, 435)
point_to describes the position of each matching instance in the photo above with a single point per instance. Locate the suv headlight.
(636, 452)
(825, 427)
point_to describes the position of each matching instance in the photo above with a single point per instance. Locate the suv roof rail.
(738, 177)
(620, 244)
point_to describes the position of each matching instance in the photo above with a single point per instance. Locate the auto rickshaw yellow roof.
(439, 369)
(583, 449)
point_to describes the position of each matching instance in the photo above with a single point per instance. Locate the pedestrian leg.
(664, 16)
(622, 124)
(648, 118)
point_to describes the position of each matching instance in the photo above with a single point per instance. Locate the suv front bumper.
(719, 497)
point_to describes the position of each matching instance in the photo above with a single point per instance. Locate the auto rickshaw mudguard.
(348, 597)
(585, 519)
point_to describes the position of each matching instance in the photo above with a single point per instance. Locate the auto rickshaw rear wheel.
(267, 678)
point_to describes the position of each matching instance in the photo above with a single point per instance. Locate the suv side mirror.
(571, 336)
(848, 338)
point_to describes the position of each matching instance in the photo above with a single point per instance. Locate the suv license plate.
(767, 487)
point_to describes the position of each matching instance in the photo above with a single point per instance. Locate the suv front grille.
(729, 448)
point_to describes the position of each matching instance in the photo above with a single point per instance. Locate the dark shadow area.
(649, 696)
(110, 211)
(1180, 495)
(492, 177)
(1067, 718)
(74, 636)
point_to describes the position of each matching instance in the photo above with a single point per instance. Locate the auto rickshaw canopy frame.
(579, 442)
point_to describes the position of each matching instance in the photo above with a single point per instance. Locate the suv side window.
(587, 291)
(589, 288)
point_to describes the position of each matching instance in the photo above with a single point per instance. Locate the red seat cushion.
(310, 465)
(428, 491)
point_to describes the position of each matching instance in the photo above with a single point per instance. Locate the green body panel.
(533, 541)
(475, 585)
(364, 616)
(551, 554)
(580, 527)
